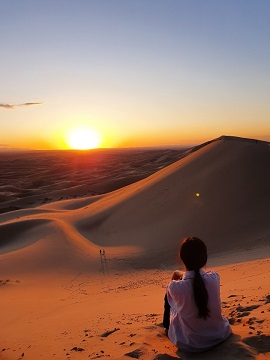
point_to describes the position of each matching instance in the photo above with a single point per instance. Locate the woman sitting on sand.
(192, 311)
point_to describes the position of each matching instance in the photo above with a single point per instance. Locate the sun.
(83, 139)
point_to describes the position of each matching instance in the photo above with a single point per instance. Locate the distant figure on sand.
(103, 260)
(192, 306)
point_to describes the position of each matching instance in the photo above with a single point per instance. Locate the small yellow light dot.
(197, 194)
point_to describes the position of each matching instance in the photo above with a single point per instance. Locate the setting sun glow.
(83, 139)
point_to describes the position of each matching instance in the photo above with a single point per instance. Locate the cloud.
(13, 106)
(32, 103)
(7, 106)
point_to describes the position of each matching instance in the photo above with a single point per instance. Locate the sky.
(138, 72)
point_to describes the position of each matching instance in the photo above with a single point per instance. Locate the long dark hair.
(193, 253)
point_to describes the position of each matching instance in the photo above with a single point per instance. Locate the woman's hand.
(177, 275)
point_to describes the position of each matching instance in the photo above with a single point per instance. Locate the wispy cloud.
(14, 106)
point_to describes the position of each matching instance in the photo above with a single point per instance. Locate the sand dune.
(63, 300)
(232, 180)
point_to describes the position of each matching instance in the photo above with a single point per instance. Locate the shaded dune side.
(45, 245)
(232, 179)
(20, 234)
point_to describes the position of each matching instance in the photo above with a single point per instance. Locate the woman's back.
(187, 330)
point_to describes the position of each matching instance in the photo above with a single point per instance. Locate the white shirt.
(186, 330)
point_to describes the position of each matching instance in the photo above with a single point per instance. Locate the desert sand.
(62, 299)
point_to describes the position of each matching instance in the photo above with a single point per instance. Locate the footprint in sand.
(135, 354)
(75, 348)
(109, 332)
(242, 311)
(247, 308)
(253, 320)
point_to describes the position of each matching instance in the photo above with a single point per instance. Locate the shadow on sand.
(231, 349)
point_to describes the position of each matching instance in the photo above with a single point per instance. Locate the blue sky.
(139, 72)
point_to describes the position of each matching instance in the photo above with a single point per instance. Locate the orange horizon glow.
(87, 137)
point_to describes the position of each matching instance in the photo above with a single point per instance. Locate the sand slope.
(232, 179)
(118, 316)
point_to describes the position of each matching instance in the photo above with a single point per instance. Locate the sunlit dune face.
(83, 139)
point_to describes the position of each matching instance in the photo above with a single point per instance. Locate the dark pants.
(166, 314)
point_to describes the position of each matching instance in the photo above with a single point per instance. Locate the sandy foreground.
(118, 315)
(61, 299)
